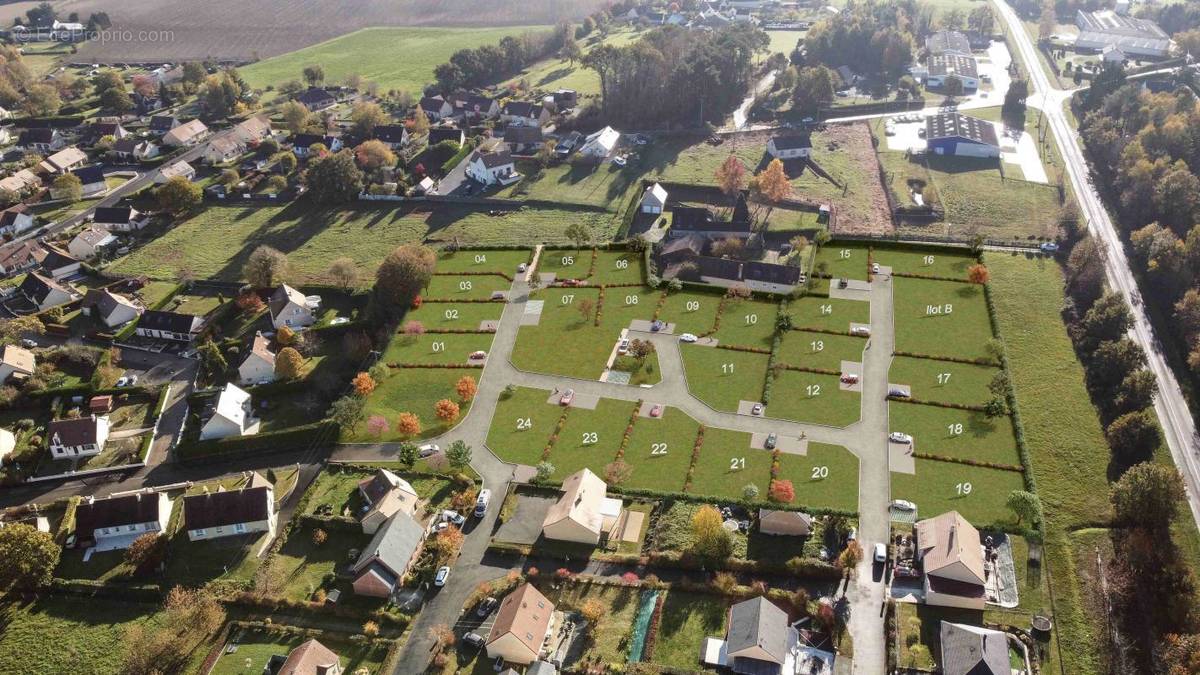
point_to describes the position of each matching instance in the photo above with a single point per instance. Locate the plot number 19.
(963, 488)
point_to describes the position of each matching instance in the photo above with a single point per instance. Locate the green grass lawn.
(217, 241)
(603, 186)
(566, 263)
(819, 350)
(690, 311)
(590, 438)
(784, 41)
(938, 487)
(828, 313)
(617, 267)
(299, 568)
(943, 381)
(747, 323)
(255, 649)
(230, 558)
(961, 434)
(935, 263)
(538, 348)
(660, 451)
(521, 425)
(553, 73)
(825, 477)
(196, 305)
(61, 634)
(620, 606)
(370, 53)
(940, 318)
(727, 463)
(723, 377)
(495, 262)
(687, 618)
(813, 397)
(455, 315)
(414, 390)
(436, 348)
(844, 260)
(447, 287)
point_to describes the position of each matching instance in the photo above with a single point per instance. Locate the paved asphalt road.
(1173, 413)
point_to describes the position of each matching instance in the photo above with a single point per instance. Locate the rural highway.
(1173, 413)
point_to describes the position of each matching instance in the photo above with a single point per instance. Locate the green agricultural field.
(813, 397)
(255, 649)
(819, 350)
(844, 260)
(472, 287)
(728, 463)
(494, 262)
(414, 390)
(217, 241)
(660, 451)
(371, 53)
(62, 634)
(455, 315)
(723, 377)
(691, 311)
(521, 425)
(941, 318)
(826, 477)
(747, 323)
(687, 618)
(602, 186)
(590, 438)
(617, 267)
(436, 348)
(961, 434)
(934, 263)
(828, 313)
(554, 73)
(978, 493)
(943, 381)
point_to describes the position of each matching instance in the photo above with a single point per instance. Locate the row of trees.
(872, 38)
(479, 66)
(676, 77)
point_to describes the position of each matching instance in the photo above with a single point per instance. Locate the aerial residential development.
(570, 336)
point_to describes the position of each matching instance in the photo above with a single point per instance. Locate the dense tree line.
(872, 38)
(673, 76)
(491, 63)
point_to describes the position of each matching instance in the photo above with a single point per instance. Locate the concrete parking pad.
(633, 526)
(854, 326)
(647, 406)
(643, 326)
(585, 401)
(900, 458)
(706, 342)
(787, 444)
(855, 290)
(744, 408)
(490, 325)
(852, 368)
(547, 278)
(532, 315)
(525, 524)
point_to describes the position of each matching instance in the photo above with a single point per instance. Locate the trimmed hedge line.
(932, 277)
(205, 451)
(830, 331)
(936, 404)
(981, 361)
(968, 462)
(393, 364)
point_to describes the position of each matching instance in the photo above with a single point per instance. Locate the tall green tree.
(29, 558)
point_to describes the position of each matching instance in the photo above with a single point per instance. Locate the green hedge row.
(225, 448)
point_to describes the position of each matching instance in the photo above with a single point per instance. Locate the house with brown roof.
(187, 134)
(227, 513)
(259, 364)
(115, 522)
(63, 161)
(387, 494)
(90, 242)
(310, 658)
(16, 219)
(951, 557)
(20, 181)
(19, 256)
(16, 361)
(253, 129)
(289, 307)
(224, 149)
(80, 437)
(522, 623)
(180, 168)
(584, 512)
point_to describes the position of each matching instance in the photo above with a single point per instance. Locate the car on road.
(486, 607)
(772, 439)
(454, 517)
(756, 409)
(443, 575)
(522, 267)
(657, 410)
(127, 381)
(567, 397)
(481, 504)
(623, 346)
(880, 552)
(687, 337)
(28, 344)
(428, 450)
(900, 437)
(339, 321)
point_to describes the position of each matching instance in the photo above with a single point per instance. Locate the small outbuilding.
(655, 199)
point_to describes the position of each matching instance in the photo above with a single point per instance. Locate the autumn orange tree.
(773, 183)
(288, 363)
(408, 424)
(446, 410)
(978, 274)
(782, 491)
(364, 384)
(466, 388)
(731, 176)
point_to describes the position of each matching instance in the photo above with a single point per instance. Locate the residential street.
(1173, 413)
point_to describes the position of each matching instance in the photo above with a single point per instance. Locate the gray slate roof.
(393, 545)
(971, 650)
(760, 622)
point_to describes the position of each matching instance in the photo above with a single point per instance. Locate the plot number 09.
(693, 305)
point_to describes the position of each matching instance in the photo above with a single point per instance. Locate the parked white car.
(899, 437)
(903, 505)
(687, 337)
